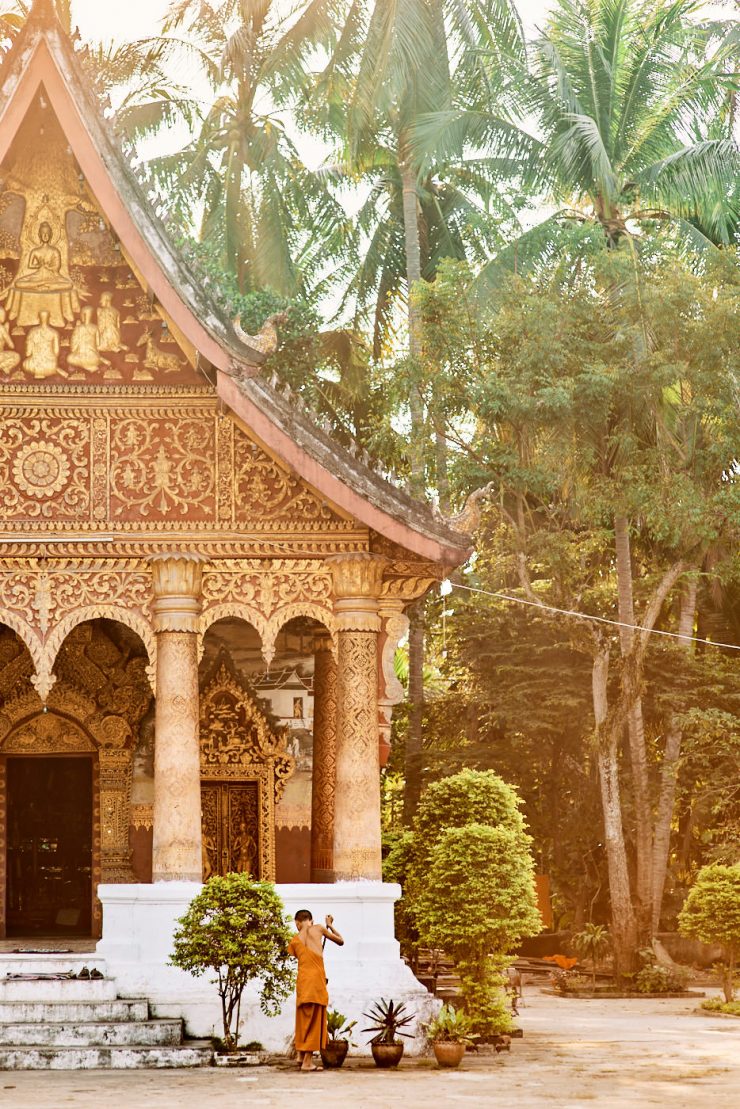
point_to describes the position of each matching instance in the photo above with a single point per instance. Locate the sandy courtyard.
(612, 1053)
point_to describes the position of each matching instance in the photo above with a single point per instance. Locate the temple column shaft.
(357, 845)
(176, 846)
(323, 781)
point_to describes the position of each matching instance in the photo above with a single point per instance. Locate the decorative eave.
(43, 54)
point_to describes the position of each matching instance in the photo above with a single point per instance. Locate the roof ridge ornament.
(44, 12)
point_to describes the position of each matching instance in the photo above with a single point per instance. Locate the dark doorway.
(49, 846)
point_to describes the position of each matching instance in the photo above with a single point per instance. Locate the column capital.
(323, 643)
(176, 583)
(357, 580)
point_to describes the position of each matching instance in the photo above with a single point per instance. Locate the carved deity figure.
(42, 285)
(208, 851)
(84, 344)
(9, 357)
(109, 325)
(243, 851)
(42, 350)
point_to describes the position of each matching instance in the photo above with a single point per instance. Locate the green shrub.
(236, 927)
(592, 943)
(477, 901)
(714, 1005)
(396, 866)
(711, 913)
(470, 797)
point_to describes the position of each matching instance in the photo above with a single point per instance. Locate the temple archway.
(67, 773)
(245, 762)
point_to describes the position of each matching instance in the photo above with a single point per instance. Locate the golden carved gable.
(72, 309)
(237, 739)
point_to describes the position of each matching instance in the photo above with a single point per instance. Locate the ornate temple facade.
(157, 486)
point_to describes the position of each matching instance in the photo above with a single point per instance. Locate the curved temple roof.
(43, 55)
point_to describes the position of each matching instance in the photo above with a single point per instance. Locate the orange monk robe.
(312, 998)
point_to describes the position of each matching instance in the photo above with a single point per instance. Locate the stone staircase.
(55, 1023)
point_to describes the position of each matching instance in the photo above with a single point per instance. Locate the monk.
(312, 996)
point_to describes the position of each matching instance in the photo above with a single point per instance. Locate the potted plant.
(387, 1021)
(450, 1033)
(235, 927)
(339, 1031)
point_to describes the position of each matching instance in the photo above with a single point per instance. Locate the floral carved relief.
(163, 468)
(266, 490)
(45, 465)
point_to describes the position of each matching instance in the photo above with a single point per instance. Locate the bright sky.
(131, 19)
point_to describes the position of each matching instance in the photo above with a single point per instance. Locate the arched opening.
(284, 695)
(67, 776)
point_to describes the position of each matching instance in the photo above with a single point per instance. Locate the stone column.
(323, 781)
(176, 846)
(395, 624)
(357, 580)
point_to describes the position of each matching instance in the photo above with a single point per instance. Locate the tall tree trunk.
(414, 734)
(412, 243)
(669, 767)
(412, 789)
(624, 925)
(637, 745)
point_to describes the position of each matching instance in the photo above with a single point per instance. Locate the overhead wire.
(447, 586)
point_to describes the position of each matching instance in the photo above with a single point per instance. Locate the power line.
(448, 586)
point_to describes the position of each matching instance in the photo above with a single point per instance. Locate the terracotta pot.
(448, 1054)
(387, 1055)
(335, 1052)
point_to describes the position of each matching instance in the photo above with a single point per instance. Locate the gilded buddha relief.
(42, 283)
(71, 308)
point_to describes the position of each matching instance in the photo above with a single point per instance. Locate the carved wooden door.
(231, 828)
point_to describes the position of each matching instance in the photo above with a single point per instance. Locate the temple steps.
(91, 1033)
(59, 1012)
(65, 1023)
(198, 1053)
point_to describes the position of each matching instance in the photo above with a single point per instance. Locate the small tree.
(469, 797)
(711, 913)
(477, 902)
(236, 927)
(592, 943)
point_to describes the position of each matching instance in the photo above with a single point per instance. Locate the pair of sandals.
(86, 974)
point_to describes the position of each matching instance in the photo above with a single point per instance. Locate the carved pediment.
(237, 738)
(72, 308)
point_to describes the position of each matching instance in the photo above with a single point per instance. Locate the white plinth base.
(139, 921)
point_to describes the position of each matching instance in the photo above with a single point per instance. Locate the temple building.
(175, 529)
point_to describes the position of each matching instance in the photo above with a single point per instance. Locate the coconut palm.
(396, 61)
(260, 204)
(626, 101)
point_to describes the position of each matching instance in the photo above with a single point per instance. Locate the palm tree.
(395, 61)
(261, 207)
(631, 107)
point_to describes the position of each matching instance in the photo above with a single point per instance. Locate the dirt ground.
(612, 1053)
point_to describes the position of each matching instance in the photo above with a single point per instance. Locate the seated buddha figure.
(42, 285)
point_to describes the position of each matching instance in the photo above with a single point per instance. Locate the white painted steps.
(49, 1023)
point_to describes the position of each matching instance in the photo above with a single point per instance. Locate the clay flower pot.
(387, 1055)
(448, 1053)
(335, 1052)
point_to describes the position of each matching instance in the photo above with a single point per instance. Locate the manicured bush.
(470, 797)
(711, 913)
(236, 927)
(477, 901)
